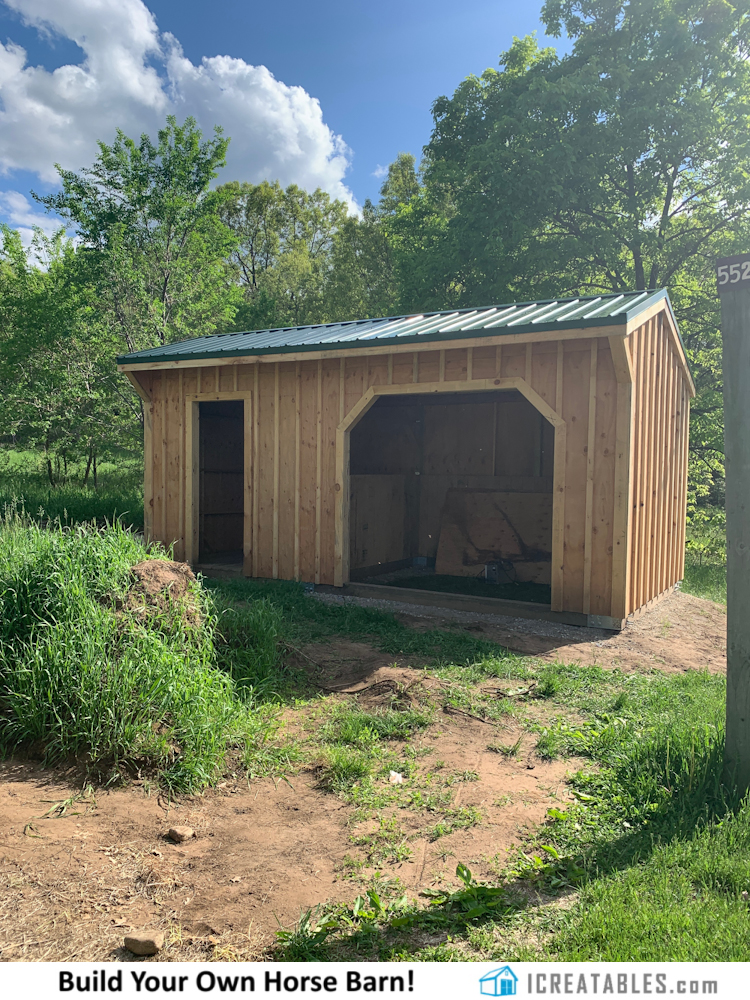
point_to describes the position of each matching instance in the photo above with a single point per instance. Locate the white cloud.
(131, 77)
(25, 217)
(380, 172)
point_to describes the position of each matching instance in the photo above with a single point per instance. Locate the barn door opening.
(221, 479)
(453, 492)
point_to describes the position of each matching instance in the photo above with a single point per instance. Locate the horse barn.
(529, 459)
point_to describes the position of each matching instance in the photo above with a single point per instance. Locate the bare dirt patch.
(679, 633)
(74, 884)
(80, 869)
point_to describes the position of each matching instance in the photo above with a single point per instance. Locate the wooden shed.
(542, 443)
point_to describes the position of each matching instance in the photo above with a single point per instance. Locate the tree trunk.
(88, 464)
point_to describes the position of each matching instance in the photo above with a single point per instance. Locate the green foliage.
(471, 902)
(250, 639)
(82, 673)
(353, 740)
(308, 620)
(283, 251)
(620, 165)
(59, 392)
(150, 267)
(79, 494)
(156, 246)
(352, 726)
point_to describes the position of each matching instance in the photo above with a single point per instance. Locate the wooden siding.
(618, 523)
(659, 464)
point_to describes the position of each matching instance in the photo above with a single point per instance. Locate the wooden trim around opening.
(192, 479)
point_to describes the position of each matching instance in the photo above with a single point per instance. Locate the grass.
(706, 577)
(305, 621)
(706, 555)
(124, 689)
(654, 849)
(118, 494)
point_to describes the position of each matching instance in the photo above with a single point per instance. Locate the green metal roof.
(516, 317)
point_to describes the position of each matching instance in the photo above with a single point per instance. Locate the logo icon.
(499, 982)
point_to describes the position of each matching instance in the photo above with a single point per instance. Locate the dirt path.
(71, 887)
(679, 633)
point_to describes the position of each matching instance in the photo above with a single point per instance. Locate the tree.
(621, 165)
(282, 256)
(59, 389)
(612, 167)
(151, 234)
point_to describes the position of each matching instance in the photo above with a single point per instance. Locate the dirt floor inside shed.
(79, 870)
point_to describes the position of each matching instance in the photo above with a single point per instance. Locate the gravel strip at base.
(530, 626)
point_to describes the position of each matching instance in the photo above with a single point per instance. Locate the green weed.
(131, 692)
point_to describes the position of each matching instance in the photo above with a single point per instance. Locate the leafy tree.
(282, 257)
(621, 165)
(59, 390)
(151, 234)
(401, 184)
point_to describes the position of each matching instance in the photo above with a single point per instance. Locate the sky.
(321, 94)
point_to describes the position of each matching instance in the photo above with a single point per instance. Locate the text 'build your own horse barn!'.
(535, 450)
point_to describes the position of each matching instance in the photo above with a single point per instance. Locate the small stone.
(180, 833)
(145, 943)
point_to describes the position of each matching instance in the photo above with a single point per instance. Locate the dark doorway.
(222, 474)
(452, 492)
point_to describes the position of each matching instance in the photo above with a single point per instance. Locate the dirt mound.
(159, 583)
(159, 576)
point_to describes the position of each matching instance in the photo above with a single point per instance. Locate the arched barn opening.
(452, 492)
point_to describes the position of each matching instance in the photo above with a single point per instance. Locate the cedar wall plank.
(513, 361)
(455, 365)
(605, 437)
(576, 369)
(330, 422)
(484, 362)
(429, 366)
(266, 392)
(175, 463)
(659, 467)
(159, 448)
(377, 371)
(353, 383)
(403, 368)
(287, 460)
(308, 468)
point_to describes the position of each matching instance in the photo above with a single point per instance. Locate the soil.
(80, 870)
(156, 576)
(681, 632)
(159, 585)
(73, 885)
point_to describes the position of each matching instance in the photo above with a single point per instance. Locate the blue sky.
(374, 68)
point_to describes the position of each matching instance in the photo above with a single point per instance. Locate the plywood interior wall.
(293, 408)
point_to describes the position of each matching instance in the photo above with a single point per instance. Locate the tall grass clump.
(84, 672)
